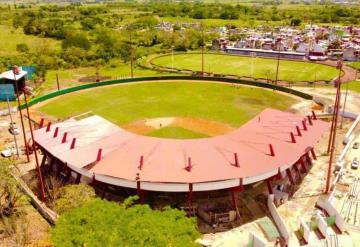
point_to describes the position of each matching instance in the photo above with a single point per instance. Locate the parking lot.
(354, 153)
(350, 208)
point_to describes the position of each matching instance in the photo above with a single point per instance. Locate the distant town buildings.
(313, 42)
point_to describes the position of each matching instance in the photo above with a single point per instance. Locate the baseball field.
(173, 109)
(292, 71)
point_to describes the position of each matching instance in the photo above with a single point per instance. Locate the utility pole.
(278, 63)
(346, 94)
(57, 82)
(343, 112)
(11, 126)
(332, 137)
(38, 168)
(21, 116)
(202, 51)
(253, 54)
(172, 57)
(131, 56)
(336, 106)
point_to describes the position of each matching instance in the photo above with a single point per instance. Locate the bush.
(100, 223)
(22, 47)
(10, 193)
(73, 196)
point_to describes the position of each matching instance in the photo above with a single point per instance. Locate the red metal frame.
(40, 177)
(331, 145)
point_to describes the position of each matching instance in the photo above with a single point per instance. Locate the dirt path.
(349, 73)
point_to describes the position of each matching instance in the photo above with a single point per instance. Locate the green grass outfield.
(353, 85)
(236, 65)
(123, 104)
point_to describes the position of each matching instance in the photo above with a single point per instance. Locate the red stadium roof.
(208, 163)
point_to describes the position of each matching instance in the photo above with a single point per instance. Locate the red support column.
(236, 160)
(190, 197)
(268, 183)
(138, 189)
(233, 199)
(43, 160)
(303, 165)
(289, 174)
(63, 140)
(313, 153)
(298, 131)
(103, 193)
(296, 168)
(52, 161)
(308, 159)
(98, 157)
(188, 167)
(72, 146)
(78, 178)
(292, 137)
(56, 132)
(272, 153)
(68, 173)
(48, 127)
(304, 125)
(141, 162)
(313, 115)
(93, 181)
(309, 120)
(41, 124)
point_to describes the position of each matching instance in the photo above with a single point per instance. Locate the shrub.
(10, 193)
(22, 47)
(73, 196)
(99, 222)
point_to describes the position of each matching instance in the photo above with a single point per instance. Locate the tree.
(100, 221)
(78, 39)
(10, 193)
(73, 196)
(295, 22)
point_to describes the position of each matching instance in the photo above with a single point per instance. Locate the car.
(13, 129)
(356, 145)
(8, 152)
(355, 164)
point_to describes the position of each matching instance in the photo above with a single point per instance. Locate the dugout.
(7, 83)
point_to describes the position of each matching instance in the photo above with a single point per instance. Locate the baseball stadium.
(186, 137)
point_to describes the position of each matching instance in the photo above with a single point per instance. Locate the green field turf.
(261, 68)
(353, 85)
(123, 104)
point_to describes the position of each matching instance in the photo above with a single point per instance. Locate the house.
(240, 44)
(351, 54)
(303, 48)
(219, 44)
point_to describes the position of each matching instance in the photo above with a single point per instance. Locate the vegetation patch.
(353, 85)
(99, 222)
